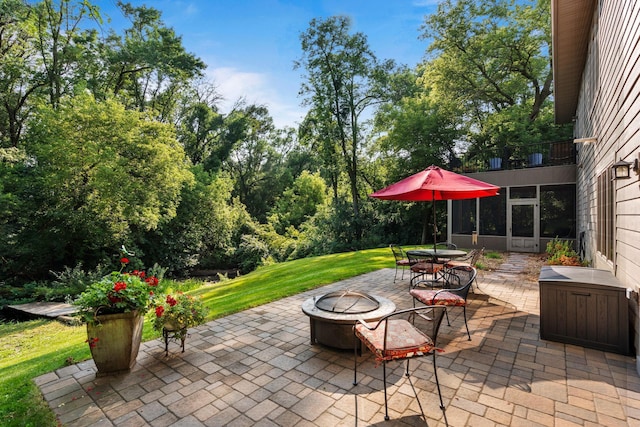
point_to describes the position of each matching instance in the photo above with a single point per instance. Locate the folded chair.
(394, 337)
(402, 262)
(458, 281)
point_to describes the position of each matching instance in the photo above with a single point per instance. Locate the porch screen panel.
(558, 211)
(493, 214)
(463, 216)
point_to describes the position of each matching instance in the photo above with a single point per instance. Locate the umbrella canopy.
(434, 184)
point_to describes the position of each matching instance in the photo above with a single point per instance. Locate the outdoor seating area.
(257, 367)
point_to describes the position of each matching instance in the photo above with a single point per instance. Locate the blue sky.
(249, 46)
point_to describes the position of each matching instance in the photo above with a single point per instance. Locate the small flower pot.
(535, 159)
(114, 341)
(495, 163)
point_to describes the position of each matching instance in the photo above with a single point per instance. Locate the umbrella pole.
(435, 229)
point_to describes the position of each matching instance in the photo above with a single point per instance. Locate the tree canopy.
(116, 137)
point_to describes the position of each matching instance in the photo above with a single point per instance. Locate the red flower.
(152, 281)
(171, 300)
(113, 298)
(159, 311)
(119, 286)
(93, 342)
(124, 260)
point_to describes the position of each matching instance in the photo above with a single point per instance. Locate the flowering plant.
(179, 312)
(118, 292)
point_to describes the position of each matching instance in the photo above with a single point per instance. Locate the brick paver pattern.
(257, 368)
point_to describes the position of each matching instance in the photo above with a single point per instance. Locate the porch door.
(523, 230)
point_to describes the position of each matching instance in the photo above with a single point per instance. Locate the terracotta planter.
(118, 341)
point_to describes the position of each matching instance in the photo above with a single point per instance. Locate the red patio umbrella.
(434, 184)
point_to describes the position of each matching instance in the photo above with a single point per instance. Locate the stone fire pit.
(332, 315)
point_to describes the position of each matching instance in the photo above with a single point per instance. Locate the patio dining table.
(440, 257)
(433, 253)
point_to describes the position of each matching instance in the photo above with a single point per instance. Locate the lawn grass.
(33, 348)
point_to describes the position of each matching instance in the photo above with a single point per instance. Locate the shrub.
(70, 282)
(561, 252)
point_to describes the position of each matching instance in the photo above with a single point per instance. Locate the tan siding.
(609, 108)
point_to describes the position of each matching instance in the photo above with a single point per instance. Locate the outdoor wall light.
(587, 140)
(621, 169)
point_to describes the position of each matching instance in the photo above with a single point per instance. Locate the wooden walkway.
(50, 310)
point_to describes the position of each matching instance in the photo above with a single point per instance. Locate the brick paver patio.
(257, 368)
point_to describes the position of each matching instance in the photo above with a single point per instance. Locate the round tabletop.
(444, 253)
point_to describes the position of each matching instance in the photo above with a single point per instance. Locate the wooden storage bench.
(584, 306)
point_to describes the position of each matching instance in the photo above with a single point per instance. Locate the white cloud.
(256, 88)
(191, 10)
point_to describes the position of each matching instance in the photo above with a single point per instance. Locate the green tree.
(148, 66)
(58, 44)
(94, 175)
(207, 229)
(492, 58)
(299, 202)
(417, 130)
(492, 54)
(344, 79)
(18, 70)
(201, 133)
(254, 163)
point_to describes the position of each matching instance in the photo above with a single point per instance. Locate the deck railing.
(521, 156)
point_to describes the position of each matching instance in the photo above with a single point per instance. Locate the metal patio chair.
(395, 338)
(402, 261)
(458, 281)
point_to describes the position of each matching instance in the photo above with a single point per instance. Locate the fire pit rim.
(345, 293)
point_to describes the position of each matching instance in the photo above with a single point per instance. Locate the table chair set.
(413, 332)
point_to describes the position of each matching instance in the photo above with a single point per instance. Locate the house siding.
(609, 109)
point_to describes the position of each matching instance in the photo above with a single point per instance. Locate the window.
(605, 220)
(523, 192)
(463, 216)
(493, 214)
(558, 211)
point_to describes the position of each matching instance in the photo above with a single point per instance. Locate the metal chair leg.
(435, 374)
(355, 358)
(384, 380)
(464, 312)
